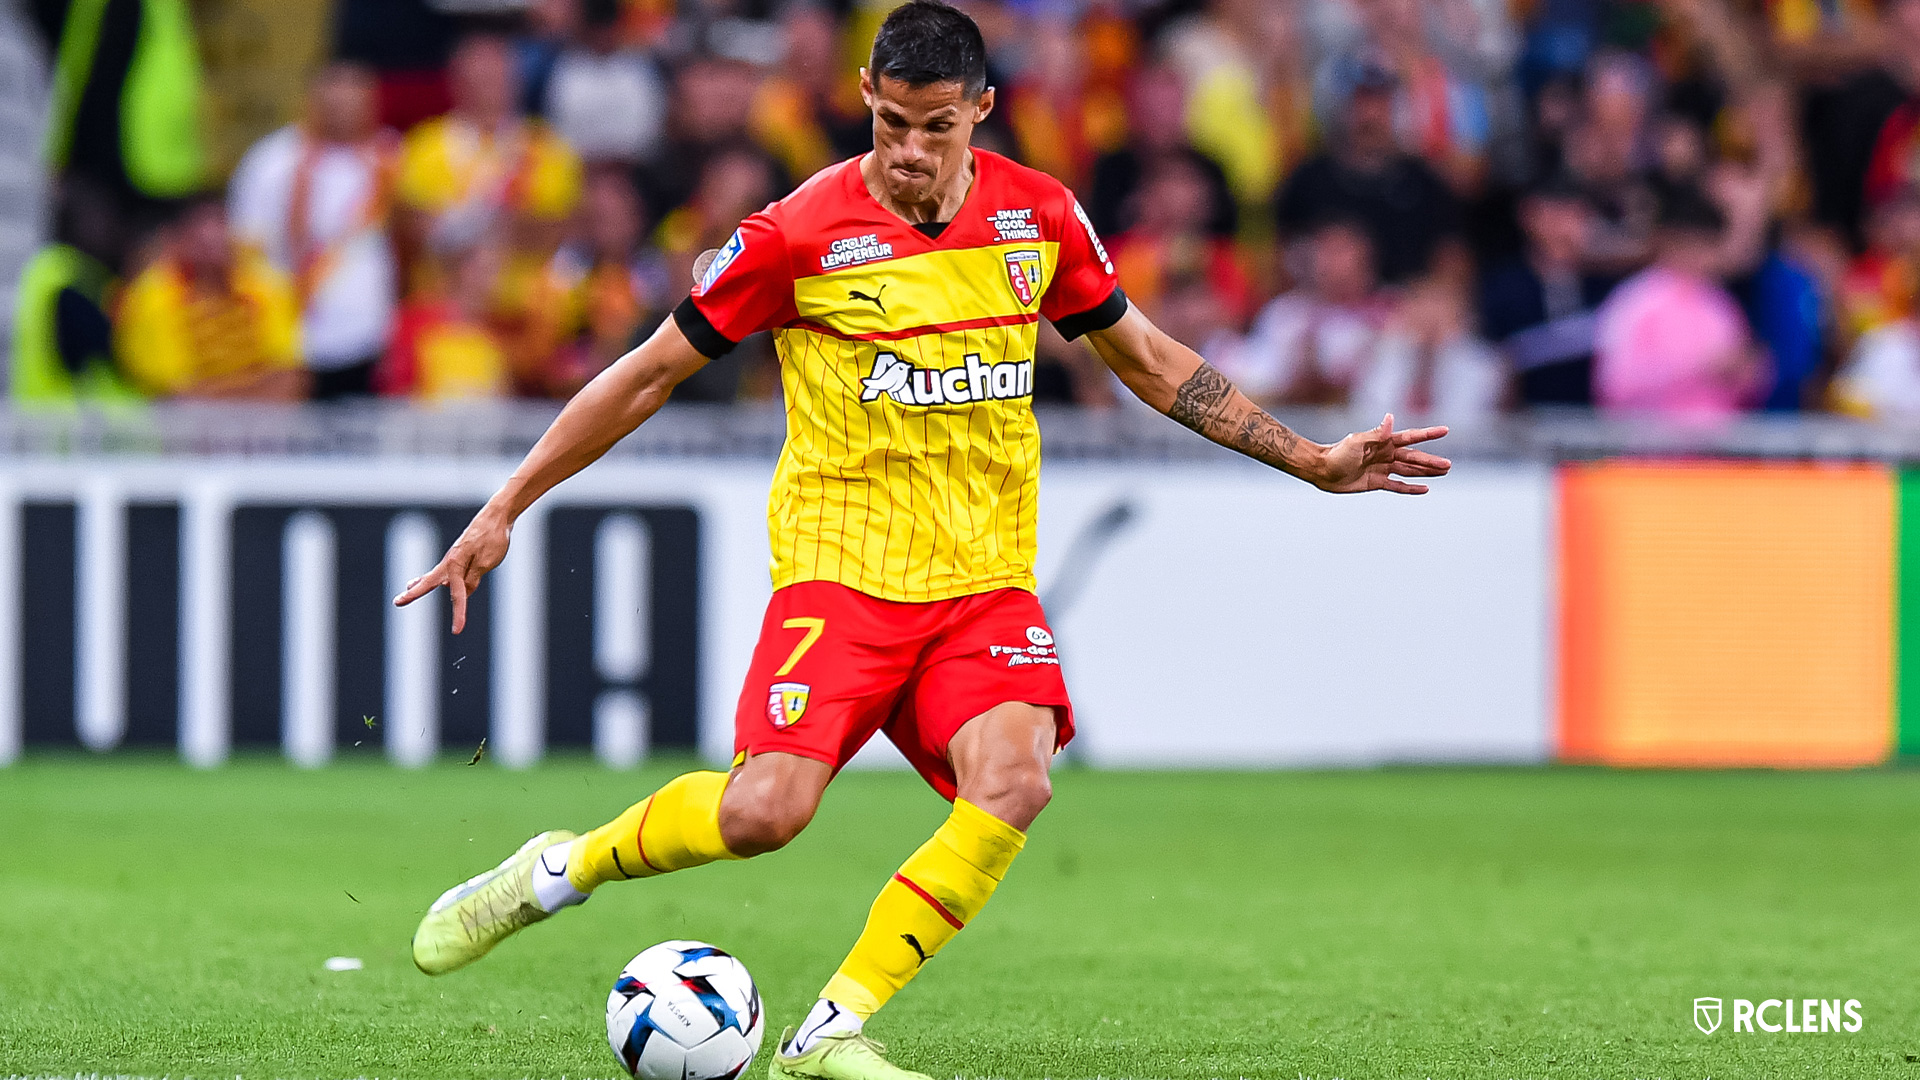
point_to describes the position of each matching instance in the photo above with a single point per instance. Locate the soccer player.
(904, 290)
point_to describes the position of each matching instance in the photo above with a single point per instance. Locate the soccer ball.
(684, 1010)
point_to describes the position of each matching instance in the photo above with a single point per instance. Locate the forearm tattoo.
(1210, 405)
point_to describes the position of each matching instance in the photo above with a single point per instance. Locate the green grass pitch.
(1389, 923)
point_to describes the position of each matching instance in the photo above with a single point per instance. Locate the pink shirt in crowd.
(1664, 343)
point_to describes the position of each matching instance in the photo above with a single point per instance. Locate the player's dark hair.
(923, 42)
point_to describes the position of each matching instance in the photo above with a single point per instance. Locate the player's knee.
(760, 823)
(1014, 793)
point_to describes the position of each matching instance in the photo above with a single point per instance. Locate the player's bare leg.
(773, 797)
(694, 819)
(1000, 760)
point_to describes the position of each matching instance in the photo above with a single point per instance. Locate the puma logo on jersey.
(856, 294)
(958, 385)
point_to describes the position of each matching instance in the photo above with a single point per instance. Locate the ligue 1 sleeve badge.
(1023, 273)
(787, 703)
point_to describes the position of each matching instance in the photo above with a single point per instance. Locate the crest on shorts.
(1023, 273)
(787, 703)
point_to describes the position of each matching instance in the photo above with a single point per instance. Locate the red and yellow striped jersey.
(912, 461)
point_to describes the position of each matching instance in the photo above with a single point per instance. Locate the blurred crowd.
(1687, 207)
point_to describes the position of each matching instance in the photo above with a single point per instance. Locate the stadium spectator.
(483, 165)
(601, 294)
(1312, 345)
(607, 101)
(1429, 362)
(1437, 116)
(1861, 132)
(1819, 41)
(1060, 122)
(1170, 242)
(1539, 307)
(445, 350)
(1156, 128)
(1881, 377)
(1607, 152)
(1480, 45)
(1553, 112)
(1337, 340)
(406, 42)
(551, 26)
(1671, 339)
(315, 198)
(209, 318)
(62, 339)
(807, 113)
(126, 107)
(1778, 293)
(1249, 98)
(711, 114)
(1880, 283)
(1413, 219)
(1783, 303)
(1895, 160)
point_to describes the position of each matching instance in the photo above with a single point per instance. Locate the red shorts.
(835, 665)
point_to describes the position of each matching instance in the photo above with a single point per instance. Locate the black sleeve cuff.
(692, 322)
(1103, 315)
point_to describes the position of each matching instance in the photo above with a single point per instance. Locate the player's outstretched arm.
(605, 411)
(1175, 380)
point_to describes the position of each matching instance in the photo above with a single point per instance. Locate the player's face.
(920, 133)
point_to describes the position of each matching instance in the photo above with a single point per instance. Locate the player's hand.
(478, 550)
(1375, 460)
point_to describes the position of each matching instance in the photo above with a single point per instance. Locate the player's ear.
(983, 106)
(866, 88)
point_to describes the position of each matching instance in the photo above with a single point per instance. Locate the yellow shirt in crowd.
(447, 162)
(171, 335)
(460, 362)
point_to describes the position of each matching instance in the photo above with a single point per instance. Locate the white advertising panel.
(1211, 614)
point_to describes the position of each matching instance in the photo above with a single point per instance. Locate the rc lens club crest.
(1023, 273)
(787, 703)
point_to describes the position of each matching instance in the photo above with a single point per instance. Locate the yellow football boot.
(471, 918)
(851, 1056)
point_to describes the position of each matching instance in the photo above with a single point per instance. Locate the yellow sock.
(936, 892)
(672, 829)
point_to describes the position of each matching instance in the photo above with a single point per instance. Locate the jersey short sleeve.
(747, 288)
(1085, 295)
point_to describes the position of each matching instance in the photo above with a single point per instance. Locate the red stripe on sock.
(640, 837)
(928, 897)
